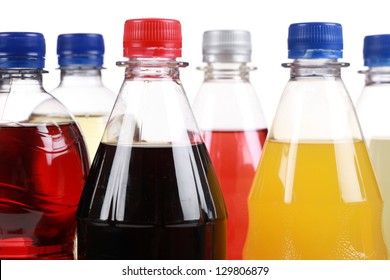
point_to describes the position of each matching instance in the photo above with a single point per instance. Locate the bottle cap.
(152, 37)
(227, 46)
(315, 40)
(22, 50)
(376, 50)
(80, 49)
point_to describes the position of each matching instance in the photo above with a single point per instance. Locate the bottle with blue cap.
(231, 118)
(315, 195)
(43, 162)
(372, 109)
(81, 90)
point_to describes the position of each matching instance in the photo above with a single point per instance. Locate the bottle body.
(234, 130)
(312, 219)
(43, 170)
(152, 190)
(315, 195)
(82, 92)
(372, 110)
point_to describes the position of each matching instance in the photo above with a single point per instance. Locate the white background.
(267, 21)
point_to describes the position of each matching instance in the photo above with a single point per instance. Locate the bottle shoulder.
(373, 110)
(86, 100)
(228, 107)
(36, 106)
(315, 109)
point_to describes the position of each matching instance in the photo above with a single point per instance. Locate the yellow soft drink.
(315, 200)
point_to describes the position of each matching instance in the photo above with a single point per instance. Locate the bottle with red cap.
(152, 192)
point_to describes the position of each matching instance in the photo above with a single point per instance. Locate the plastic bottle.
(233, 125)
(152, 192)
(372, 109)
(43, 162)
(315, 195)
(81, 90)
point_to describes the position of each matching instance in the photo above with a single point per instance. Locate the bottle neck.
(315, 68)
(13, 78)
(81, 75)
(377, 75)
(227, 71)
(152, 68)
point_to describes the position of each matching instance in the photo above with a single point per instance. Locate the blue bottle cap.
(376, 50)
(22, 50)
(315, 40)
(80, 49)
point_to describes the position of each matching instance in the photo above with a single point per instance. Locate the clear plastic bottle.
(152, 192)
(81, 90)
(234, 129)
(372, 109)
(315, 195)
(43, 162)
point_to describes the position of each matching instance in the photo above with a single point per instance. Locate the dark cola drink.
(160, 205)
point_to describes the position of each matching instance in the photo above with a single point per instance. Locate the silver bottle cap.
(227, 46)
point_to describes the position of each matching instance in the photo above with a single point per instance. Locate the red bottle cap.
(152, 37)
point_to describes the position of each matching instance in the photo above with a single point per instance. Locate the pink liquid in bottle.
(235, 156)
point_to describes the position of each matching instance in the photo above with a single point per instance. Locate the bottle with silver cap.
(231, 118)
